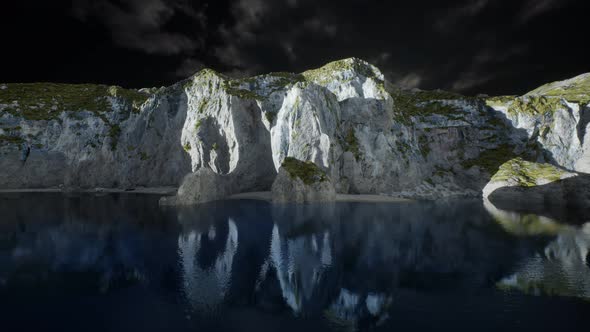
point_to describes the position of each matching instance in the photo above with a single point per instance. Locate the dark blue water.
(120, 263)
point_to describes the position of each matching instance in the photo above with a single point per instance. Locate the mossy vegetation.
(325, 74)
(424, 145)
(198, 124)
(203, 105)
(526, 173)
(500, 101)
(535, 105)
(114, 132)
(350, 143)
(10, 139)
(135, 98)
(490, 160)
(281, 80)
(425, 103)
(235, 88)
(270, 116)
(576, 89)
(308, 172)
(46, 101)
(187, 146)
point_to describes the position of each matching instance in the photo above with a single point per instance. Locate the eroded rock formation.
(369, 136)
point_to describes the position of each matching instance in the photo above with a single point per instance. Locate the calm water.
(120, 263)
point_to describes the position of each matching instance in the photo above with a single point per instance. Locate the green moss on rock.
(46, 101)
(350, 143)
(576, 89)
(270, 116)
(527, 174)
(114, 133)
(490, 160)
(11, 139)
(328, 72)
(500, 101)
(425, 103)
(535, 105)
(308, 172)
(198, 124)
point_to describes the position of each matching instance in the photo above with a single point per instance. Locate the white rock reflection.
(561, 268)
(205, 288)
(299, 264)
(349, 308)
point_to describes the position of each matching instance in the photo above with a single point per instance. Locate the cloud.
(534, 8)
(140, 24)
(470, 80)
(188, 67)
(469, 10)
(477, 73)
(410, 81)
(273, 35)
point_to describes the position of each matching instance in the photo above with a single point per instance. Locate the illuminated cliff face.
(370, 136)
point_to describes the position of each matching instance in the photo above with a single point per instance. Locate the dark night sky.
(469, 46)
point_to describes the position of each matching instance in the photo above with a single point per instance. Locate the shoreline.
(146, 190)
(267, 196)
(168, 191)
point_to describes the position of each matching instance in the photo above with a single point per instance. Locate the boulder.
(201, 186)
(302, 182)
(544, 189)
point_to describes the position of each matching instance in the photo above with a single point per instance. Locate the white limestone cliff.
(369, 136)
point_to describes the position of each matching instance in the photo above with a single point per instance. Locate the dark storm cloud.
(455, 15)
(141, 24)
(469, 46)
(534, 8)
(403, 40)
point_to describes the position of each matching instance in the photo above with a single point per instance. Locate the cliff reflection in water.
(347, 265)
(345, 262)
(563, 266)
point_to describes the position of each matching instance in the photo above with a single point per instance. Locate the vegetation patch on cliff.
(527, 174)
(308, 172)
(490, 160)
(327, 73)
(45, 101)
(235, 88)
(425, 103)
(535, 105)
(350, 143)
(11, 139)
(576, 89)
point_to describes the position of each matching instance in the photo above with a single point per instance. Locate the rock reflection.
(346, 262)
(300, 264)
(205, 287)
(349, 308)
(562, 268)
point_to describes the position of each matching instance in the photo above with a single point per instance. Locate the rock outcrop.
(302, 182)
(369, 136)
(202, 186)
(542, 189)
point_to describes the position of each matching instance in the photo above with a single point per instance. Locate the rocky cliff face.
(366, 134)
